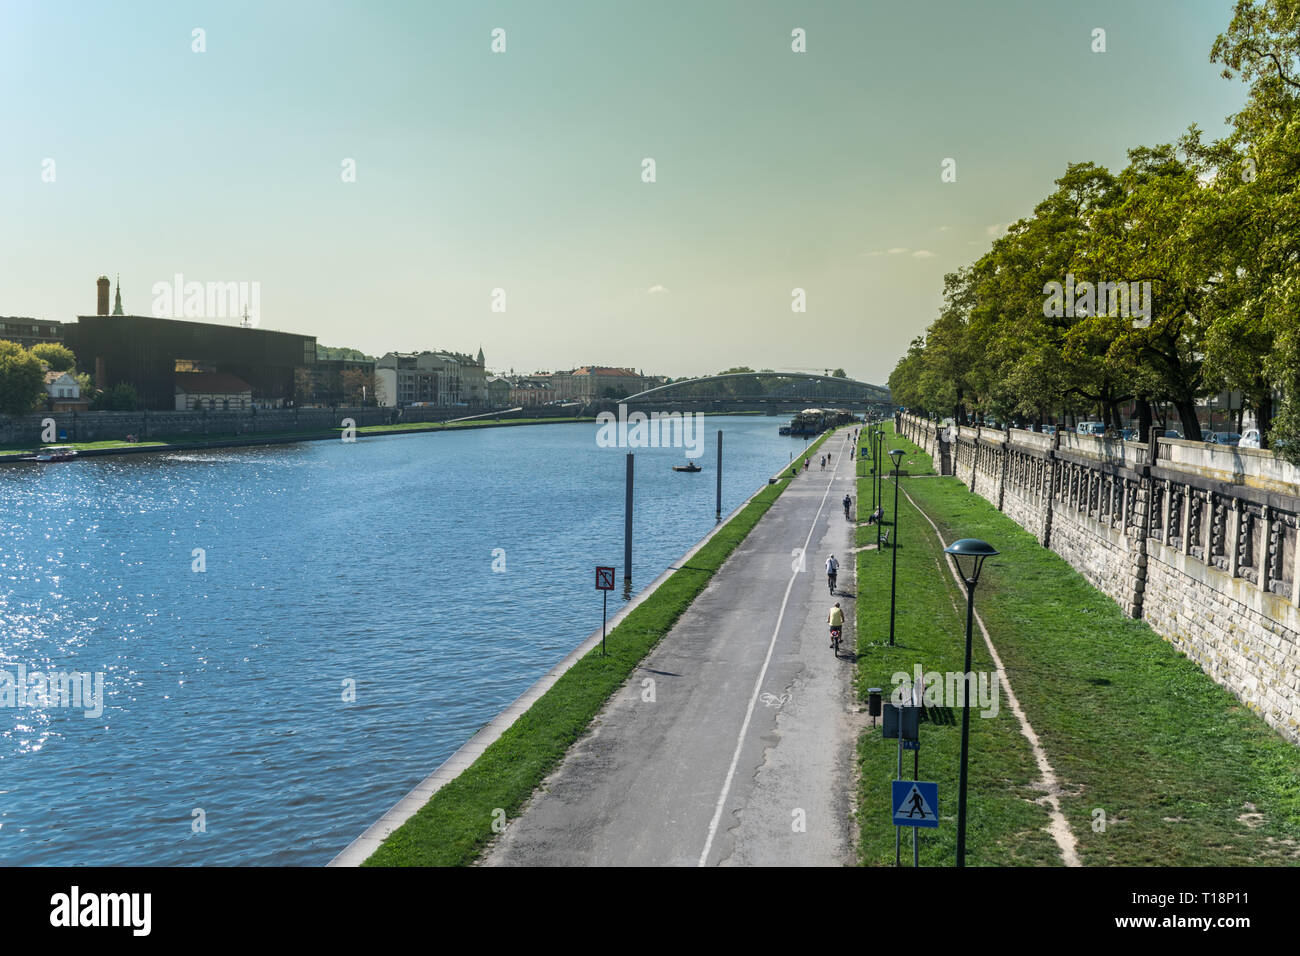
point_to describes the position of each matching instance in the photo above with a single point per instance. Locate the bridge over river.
(771, 392)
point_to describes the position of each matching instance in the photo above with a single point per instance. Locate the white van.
(1250, 439)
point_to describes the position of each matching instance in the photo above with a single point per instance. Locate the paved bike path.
(733, 742)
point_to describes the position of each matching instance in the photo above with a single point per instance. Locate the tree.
(359, 386)
(22, 379)
(123, 397)
(59, 358)
(302, 386)
(1258, 193)
(838, 373)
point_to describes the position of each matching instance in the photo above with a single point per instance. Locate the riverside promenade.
(733, 742)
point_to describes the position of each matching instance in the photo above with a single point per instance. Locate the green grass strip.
(1159, 765)
(1005, 826)
(453, 827)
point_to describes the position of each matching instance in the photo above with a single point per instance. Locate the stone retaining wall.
(1199, 540)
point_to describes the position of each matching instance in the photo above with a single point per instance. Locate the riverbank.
(449, 817)
(104, 448)
(1153, 762)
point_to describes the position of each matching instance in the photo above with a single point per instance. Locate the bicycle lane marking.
(762, 675)
(1060, 827)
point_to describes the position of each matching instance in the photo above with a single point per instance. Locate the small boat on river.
(689, 466)
(56, 453)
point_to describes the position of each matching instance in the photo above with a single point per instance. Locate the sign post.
(604, 584)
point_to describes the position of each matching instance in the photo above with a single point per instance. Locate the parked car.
(1128, 434)
(1250, 439)
(1172, 433)
(1091, 428)
(1223, 438)
(1049, 429)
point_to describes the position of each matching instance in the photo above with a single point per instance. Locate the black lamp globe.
(969, 554)
(897, 455)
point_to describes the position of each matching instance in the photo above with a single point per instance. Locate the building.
(148, 353)
(214, 391)
(443, 379)
(64, 393)
(598, 383)
(558, 385)
(529, 392)
(28, 332)
(498, 391)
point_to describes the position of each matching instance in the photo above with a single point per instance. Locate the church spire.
(117, 299)
(479, 357)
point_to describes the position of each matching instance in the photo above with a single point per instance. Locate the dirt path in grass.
(1058, 827)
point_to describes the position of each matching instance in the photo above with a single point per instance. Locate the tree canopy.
(1152, 287)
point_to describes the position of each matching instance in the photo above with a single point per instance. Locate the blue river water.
(431, 577)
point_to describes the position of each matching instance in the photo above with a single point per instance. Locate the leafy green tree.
(123, 397)
(58, 357)
(22, 379)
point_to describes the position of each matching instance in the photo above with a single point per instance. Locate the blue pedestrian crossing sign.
(916, 803)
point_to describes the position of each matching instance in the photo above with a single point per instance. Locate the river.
(290, 638)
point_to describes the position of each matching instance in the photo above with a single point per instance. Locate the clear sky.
(522, 170)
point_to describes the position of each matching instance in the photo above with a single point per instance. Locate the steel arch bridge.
(763, 391)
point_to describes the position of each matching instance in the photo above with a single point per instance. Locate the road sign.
(604, 579)
(916, 803)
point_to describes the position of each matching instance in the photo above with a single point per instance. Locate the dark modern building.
(147, 353)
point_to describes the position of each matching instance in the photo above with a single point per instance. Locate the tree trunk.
(1144, 418)
(1191, 424)
(1264, 416)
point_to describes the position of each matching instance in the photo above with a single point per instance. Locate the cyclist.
(848, 503)
(832, 569)
(835, 619)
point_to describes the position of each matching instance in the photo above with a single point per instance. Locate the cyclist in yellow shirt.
(835, 619)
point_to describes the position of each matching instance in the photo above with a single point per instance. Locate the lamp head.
(969, 553)
(897, 455)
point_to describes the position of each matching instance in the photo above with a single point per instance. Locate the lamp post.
(968, 555)
(897, 455)
(875, 482)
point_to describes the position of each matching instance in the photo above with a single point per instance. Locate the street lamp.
(968, 555)
(897, 455)
(877, 479)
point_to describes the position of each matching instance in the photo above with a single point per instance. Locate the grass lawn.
(452, 828)
(1184, 774)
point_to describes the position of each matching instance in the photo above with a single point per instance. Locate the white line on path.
(758, 685)
(1060, 828)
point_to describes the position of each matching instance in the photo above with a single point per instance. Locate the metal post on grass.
(627, 525)
(898, 831)
(897, 455)
(975, 552)
(719, 514)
